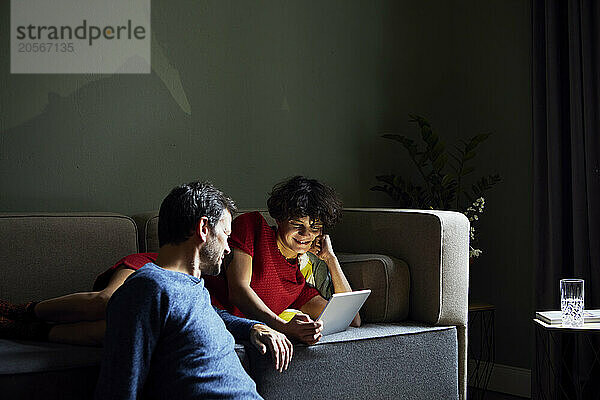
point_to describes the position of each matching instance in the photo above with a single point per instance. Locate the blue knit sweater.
(164, 340)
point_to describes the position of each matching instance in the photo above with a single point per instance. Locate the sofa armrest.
(435, 244)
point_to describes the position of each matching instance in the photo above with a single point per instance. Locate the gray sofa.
(412, 344)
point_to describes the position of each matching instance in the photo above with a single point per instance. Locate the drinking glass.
(571, 302)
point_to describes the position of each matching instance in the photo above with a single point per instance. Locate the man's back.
(165, 340)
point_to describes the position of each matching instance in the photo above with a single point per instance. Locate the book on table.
(554, 318)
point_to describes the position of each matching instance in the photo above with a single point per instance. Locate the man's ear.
(202, 229)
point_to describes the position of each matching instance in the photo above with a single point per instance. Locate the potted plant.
(444, 175)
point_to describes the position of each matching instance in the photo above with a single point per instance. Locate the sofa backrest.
(148, 228)
(47, 255)
(387, 277)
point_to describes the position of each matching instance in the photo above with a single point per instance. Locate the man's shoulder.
(154, 276)
(150, 276)
(154, 282)
(140, 289)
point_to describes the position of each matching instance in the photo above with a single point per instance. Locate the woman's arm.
(324, 250)
(239, 274)
(314, 307)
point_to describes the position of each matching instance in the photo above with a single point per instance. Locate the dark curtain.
(566, 147)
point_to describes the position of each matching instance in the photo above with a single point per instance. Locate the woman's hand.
(239, 273)
(281, 349)
(301, 327)
(322, 248)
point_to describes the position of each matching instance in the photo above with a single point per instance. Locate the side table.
(481, 347)
(566, 361)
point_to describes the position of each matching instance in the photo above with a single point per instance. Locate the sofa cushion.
(63, 371)
(147, 224)
(47, 255)
(23, 356)
(68, 384)
(391, 361)
(389, 281)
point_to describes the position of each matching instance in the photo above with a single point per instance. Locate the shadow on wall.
(105, 144)
(108, 136)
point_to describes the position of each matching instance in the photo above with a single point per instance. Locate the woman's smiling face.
(296, 235)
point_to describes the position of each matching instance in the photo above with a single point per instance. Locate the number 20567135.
(46, 47)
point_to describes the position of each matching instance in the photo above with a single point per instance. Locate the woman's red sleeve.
(243, 232)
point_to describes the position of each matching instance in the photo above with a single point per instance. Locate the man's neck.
(178, 258)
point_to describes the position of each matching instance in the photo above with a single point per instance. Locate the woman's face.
(297, 235)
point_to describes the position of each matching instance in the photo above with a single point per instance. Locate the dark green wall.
(246, 93)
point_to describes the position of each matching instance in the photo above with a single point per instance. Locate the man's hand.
(278, 344)
(304, 329)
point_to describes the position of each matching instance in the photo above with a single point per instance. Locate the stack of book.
(553, 317)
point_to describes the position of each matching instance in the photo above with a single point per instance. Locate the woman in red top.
(263, 277)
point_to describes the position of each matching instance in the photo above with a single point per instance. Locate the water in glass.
(571, 302)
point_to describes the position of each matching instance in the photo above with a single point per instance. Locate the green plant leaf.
(398, 181)
(484, 184)
(447, 179)
(394, 136)
(467, 170)
(439, 163)
(471, 154)
(481, 137)
(385, 178)
(437, 150)
(408, 144)
(419, 120)
(427, 134)
(475, 141)
(379, 189)
(456, 165)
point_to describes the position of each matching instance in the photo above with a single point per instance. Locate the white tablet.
(341, 309)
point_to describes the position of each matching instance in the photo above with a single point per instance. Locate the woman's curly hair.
(299, 197)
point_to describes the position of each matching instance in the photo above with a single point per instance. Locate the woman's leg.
(78, 307)
(89, 333)
(85, 332)
(80, 316)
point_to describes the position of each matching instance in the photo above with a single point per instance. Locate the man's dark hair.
(181, 210)
(299, 197)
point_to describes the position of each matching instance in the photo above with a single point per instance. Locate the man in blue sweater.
(164, 340)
